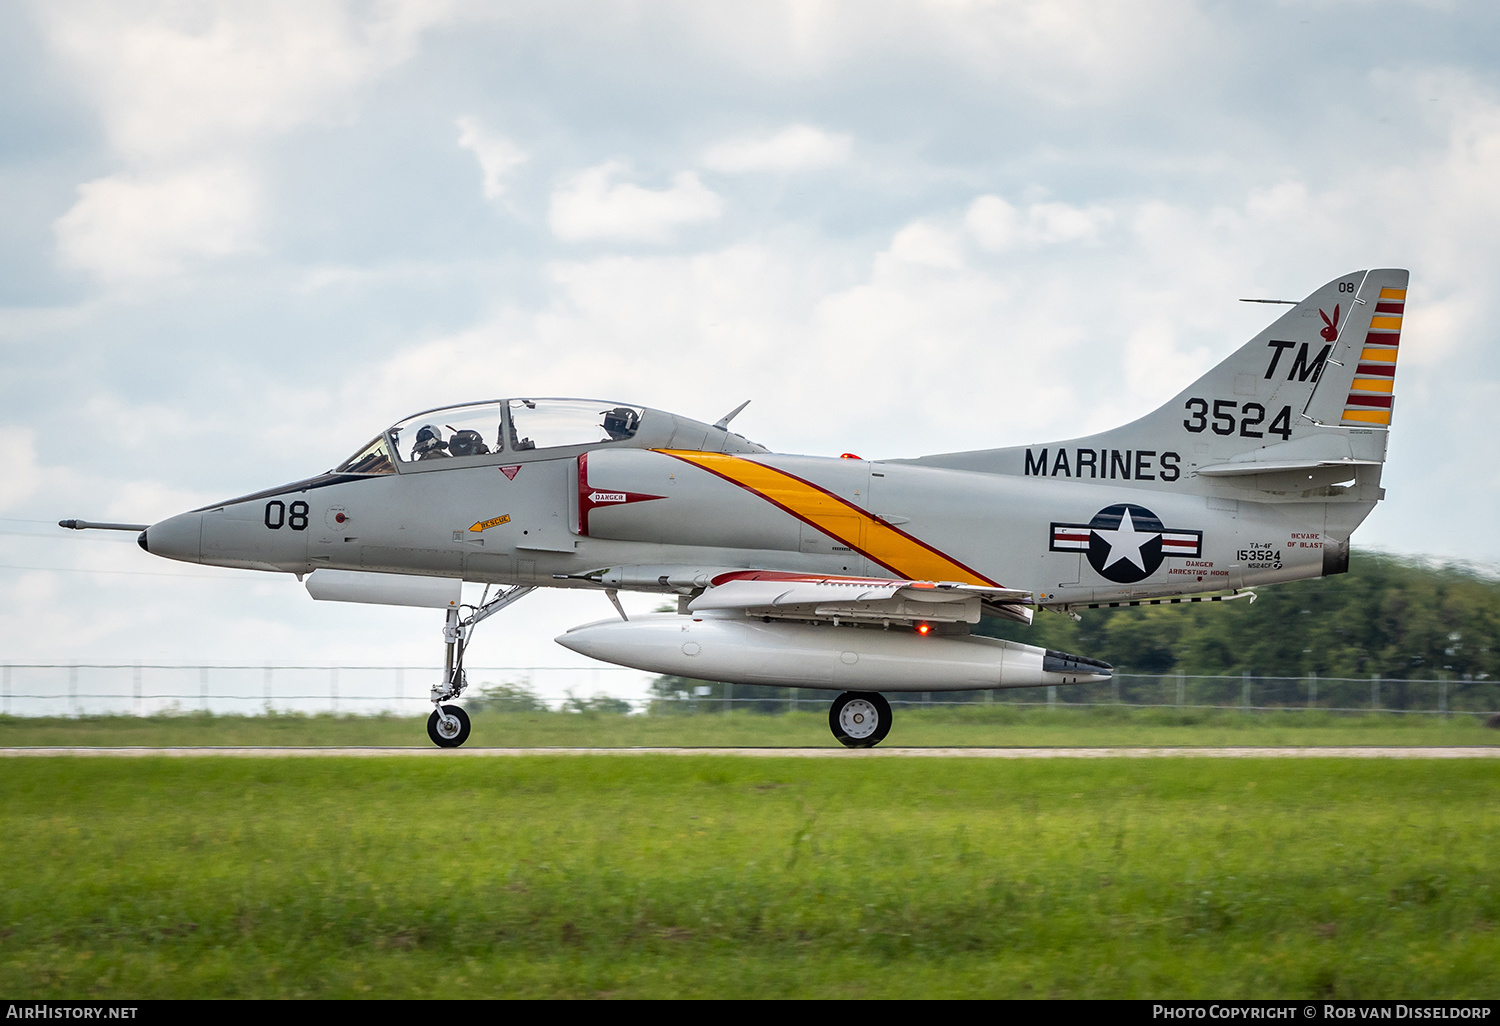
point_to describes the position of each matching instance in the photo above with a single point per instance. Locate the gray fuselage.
(680, 500)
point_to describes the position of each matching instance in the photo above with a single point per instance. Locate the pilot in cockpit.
(429, 444)
(620, 423)
(467, 442)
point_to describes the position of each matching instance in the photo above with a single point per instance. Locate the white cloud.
(1066, 53)
(794, 325)
(320, 277)
(173, 79)
(187, 93)
(996, 225)
(496, 154)
(591, 205)
(147, 502)
(925, 243)
(22, 476)
(798, 148)
(1059, 222)
(134, 226)
(1285, 201)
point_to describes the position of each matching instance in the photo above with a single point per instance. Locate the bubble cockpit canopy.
(374, 458)
(494, 428)
(472, 430)
(549, 423)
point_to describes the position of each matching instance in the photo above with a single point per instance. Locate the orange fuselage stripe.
(895, 550)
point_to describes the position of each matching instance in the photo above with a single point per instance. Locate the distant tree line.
(1387, 617)
(515, 696)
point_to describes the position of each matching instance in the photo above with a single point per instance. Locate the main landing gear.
(860, 719)
(448, 726)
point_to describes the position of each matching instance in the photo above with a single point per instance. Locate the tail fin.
(1331, 358)
(1314, 392)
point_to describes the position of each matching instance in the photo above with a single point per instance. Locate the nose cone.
(588, 640)
(179, 537)
(624, 642)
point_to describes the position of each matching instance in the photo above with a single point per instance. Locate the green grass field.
(648, 876)
(972, 725)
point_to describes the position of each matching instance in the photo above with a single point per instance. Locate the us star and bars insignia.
(1126, 543)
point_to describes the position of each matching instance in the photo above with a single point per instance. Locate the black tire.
(441, 738)
(859, 704)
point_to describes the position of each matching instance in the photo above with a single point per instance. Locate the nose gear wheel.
(449, 727)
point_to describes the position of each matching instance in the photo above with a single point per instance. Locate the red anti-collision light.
(847, 456)
(924, 628)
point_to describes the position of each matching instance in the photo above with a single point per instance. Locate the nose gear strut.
(448, 726)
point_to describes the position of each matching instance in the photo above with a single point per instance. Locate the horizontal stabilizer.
(1278, 467)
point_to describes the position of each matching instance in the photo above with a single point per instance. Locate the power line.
(126, 573)
(117, 538)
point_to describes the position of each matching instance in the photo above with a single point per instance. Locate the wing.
(871, 599)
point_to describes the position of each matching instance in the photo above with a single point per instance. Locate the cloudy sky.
(237, 240)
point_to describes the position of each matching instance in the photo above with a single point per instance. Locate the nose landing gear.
(448, 726)
(860, 719)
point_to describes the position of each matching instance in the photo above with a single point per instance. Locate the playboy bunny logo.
(1330, 333)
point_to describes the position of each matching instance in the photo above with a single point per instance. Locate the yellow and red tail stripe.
(1373, 392)
(853, 526)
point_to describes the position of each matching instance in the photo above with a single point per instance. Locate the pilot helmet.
(467, 443)
(620, 422)
(428, 439)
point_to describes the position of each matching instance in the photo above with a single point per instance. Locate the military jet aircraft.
(864, 576)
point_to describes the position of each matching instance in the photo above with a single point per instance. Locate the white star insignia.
(1125, 542)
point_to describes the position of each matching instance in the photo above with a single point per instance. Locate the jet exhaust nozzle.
(1062, 662)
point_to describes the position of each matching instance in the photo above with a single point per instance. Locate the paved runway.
(785, 753)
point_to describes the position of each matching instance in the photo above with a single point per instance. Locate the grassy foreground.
(545, 876)
(974, 725)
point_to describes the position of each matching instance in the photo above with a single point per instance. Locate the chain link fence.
(1248, 692)
(92, 689)
(86, 689)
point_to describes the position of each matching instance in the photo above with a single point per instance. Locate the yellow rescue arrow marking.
(485, 525)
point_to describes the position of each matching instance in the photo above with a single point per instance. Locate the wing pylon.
(796, 596)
